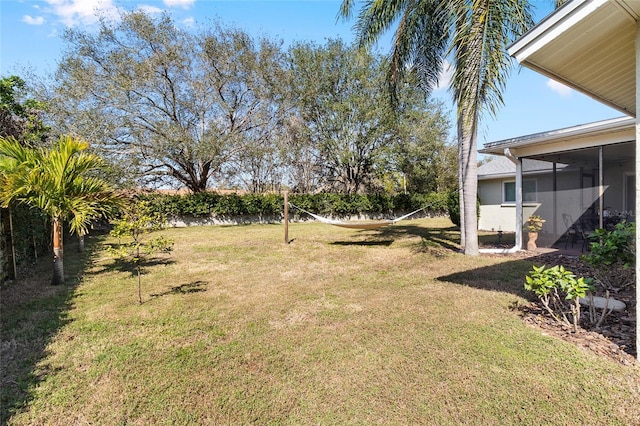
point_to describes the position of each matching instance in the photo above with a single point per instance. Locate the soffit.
(588, 45)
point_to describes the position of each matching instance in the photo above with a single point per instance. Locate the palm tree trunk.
(58, 256)
(463, 236)
(469, 172)
(470, 195)
(80, 242)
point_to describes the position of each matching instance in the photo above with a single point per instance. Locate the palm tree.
(59, 182)
(475, 35)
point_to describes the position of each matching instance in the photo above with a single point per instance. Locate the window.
(508, 192)
(529, 191)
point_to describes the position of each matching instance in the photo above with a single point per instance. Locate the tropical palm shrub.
(62, 182)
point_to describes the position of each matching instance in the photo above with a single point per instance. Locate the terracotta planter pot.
(531, 244)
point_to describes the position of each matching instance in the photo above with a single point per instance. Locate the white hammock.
(356, 225)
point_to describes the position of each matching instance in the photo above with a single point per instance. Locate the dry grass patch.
(338, 327)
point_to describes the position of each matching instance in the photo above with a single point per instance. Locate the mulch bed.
(614, 339)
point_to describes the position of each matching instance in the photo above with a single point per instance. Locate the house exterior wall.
(571, 201)
(496, 215)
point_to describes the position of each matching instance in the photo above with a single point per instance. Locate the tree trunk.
(469, 166)
(80, 242)
(7, 234)
(138, 269)
(58, 253)
(463, 236)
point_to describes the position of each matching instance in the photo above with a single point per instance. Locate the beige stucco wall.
(570, 200)
(496, 215)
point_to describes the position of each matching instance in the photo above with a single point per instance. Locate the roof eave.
(583, 130)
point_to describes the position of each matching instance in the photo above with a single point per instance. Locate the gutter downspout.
(519, 224)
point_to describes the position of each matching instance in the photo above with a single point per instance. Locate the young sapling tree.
(134, 243)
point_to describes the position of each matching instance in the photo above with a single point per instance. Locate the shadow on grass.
(363, 243)
(505, 277)
(192, 287)
(33, 311)
(437, 239)
(126, 266)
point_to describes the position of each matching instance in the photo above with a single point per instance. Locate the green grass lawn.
(337, 327)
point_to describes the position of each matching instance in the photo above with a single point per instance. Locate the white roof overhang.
(588, 45)
(607, 132)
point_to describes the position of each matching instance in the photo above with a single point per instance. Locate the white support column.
(637, 207)
(519, 201)
(519, 224)
(511, 155)
(601, 185)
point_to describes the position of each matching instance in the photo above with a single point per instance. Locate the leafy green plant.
(138, 220)
(559, 291)
(612, 254)
(534, 224)
(453, 206)
(60, 181)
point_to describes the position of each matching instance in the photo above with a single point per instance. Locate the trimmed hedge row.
(336, 205)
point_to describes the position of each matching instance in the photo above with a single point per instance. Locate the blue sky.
(30, 37)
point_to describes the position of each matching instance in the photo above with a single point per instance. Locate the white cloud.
(82, 12)
(559, 88)
(189, 21)
(150, 10)
(185, 4)
(445, 76)
(38, 20)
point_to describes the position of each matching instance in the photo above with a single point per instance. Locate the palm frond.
(419, 42)
(484, 30)
(58, 181)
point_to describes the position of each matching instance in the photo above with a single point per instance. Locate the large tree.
(475, 35)
(336, 88)
(342, 120)
(423, 154)
(20, 116)
(169, 103)
(58, 181)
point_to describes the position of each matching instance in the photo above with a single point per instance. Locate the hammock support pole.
(286, 217)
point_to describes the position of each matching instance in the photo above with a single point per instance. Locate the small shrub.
(612, 254)
(453, 206)
(559, 291)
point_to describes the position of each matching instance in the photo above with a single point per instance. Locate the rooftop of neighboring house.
(499, 167)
